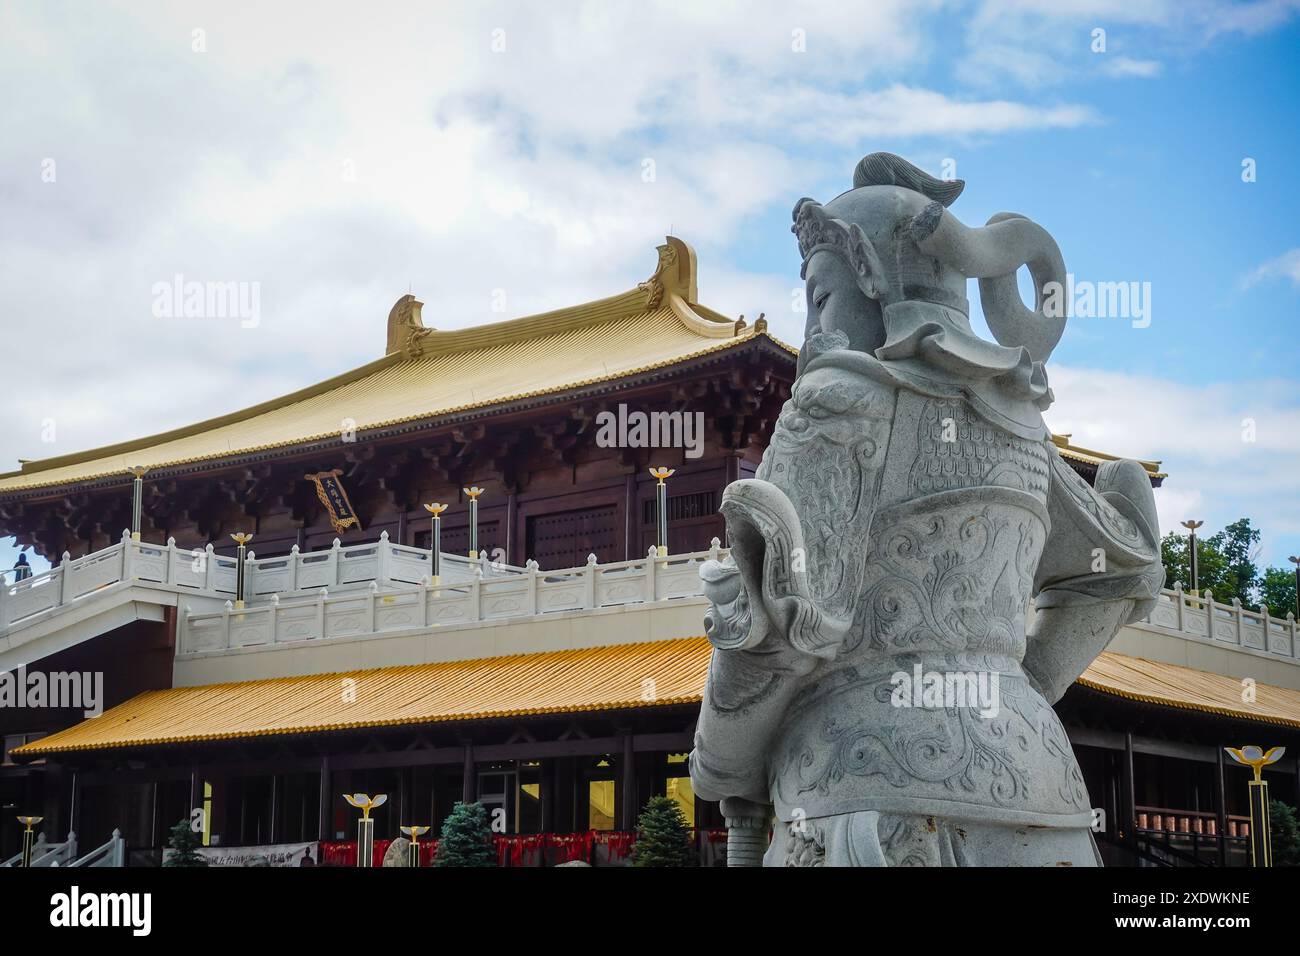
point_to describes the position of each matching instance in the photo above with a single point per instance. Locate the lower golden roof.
(572, 681)
(1170, 685)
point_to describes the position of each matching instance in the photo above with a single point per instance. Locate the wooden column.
(275, 805)
(1129, 791)
(631, 521)
(512, 539)
(469, 785)
(74, 812)
(547, 783)
(323, 819)
(1221, 807)
(629, 784)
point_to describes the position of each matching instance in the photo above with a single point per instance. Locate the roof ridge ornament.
(406, 328)
(674, 274)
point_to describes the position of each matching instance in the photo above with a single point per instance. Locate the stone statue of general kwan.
(910, 505)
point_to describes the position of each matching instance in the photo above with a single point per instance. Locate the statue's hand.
(727, 622)
(759, 597)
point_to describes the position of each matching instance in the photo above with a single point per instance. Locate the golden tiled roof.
(429, 373)
(555, 682)
(441, 373)
(1090, 457)
(570, 681)
(1172, 685)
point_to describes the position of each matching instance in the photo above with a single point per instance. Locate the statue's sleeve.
(1100, 569)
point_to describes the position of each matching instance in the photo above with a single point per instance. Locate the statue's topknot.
(886, 169)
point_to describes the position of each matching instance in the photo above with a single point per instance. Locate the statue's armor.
(945, 585)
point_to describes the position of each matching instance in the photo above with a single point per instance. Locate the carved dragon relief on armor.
(908, 508)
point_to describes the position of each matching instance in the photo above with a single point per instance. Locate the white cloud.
(1036, 43)
(1123, 66)
(473, 171)
(1230, 452)
(1285, 266)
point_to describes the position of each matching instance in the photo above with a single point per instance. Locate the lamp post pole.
(137, 499)
(366, 825)
(241, 550)
(1261, 838)
(413, 851)
(1296, 561)
(1191, 527)
(29, 837)
(661, 509)
(473, 491)
(435, 541)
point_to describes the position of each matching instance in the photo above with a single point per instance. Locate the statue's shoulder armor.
(942, 444)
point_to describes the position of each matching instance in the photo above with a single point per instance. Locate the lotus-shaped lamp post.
(241, 540)
(366, 825)
(472, 492)
(137, 498)
(435, 541)
(1261, 838)
(661, 509)
(29, 837)
(413, 851)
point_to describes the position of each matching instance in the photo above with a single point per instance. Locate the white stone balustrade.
(204, 572)
(380, 586)
(528, 593)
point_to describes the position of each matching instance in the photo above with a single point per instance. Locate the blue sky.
(502, 147)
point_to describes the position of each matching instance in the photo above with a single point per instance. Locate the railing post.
(1208, 606)
(426, 591)
(169, 565)
(273, 616)
(381, 559)
(1268, 628)
(651, 566)
(225, 623)
(1290, 626)
(293, 568)
(209, 564)
(715, 549)
(1240, 622)
(531, 568)
(336, 556)
(371, 591)
(321, 595)
(63, 578)
(250, 575)
(475, 584)
(1178, 606)
(589, 583)
(128, 553)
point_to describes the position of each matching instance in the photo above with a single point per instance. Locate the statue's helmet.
(892, 238)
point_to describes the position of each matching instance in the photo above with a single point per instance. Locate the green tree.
(1286, 834)
(466, 838)
(663, 837)
(1225, 562)
(186, 844)
(1277, 590)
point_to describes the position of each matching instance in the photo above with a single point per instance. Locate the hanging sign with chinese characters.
(332, 494)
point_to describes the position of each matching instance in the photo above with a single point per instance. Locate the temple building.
(546, 659)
